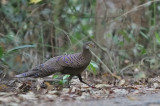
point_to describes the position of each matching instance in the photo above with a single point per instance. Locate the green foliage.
(45, 24)
(140, 75)
(21, 47)
(157, 38)
(55, 76)
(144, 35)
(64, 80)
(35, 1)
(5, 54)
(136, 43)
(141, 49)
(53, 27)
(1, 52)
(93, 67)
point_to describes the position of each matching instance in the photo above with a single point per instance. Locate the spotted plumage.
(72, 64)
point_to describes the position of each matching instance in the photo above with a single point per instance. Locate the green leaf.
(1, 52)
(125, 35)
(61, 82)
(140, 75)
(143, 51)
(64, 80)
(157, 37)
(93, 67)
(35, 1)
(65, 77)
(55, 76)
(144, 35)
(21, 47)
(45, 11)
(121, 43)
(115, 39)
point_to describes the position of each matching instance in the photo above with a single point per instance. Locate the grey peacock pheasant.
(72, 64)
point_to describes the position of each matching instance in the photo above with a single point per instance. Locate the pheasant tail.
(26, 74)
(42, 70)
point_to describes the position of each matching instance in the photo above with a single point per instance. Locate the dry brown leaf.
(3, 87)
(67, 97)
(39, 83)
(155, 85)
(120, 91)
(49, 86)
(84, 96)
(122, 82)
(55, 92)
(24, 86)
(132, 98)
(29, 96)
(103, 86)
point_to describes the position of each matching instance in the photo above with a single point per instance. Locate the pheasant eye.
(90, 45)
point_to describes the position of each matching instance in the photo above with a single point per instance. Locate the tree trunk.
(110, 21)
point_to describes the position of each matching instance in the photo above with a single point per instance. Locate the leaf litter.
(40, 91)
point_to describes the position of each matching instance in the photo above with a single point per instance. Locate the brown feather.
(72, 64)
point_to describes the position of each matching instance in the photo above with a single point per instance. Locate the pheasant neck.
(86, 53)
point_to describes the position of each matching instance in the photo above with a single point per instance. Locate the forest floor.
(122, 93)
(148, 99)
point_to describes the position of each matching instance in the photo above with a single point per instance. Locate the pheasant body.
(72, 64)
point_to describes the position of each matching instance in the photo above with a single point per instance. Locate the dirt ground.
(141, 100)
(149, 99)
(124, 93)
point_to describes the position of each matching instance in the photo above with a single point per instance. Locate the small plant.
(64, 80)
(1, 52)
(93, 67)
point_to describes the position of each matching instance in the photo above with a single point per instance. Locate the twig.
(102, 63)
(65, 34)
(106, 66)
(35, 79)
(34, 10)
(105, 50)
(136, 8)
(123, 69)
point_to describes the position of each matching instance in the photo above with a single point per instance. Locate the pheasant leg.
(80, 78)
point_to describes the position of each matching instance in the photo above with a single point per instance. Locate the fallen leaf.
(29, 96)
(122, 82)
(103, 86)
(120, 91)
